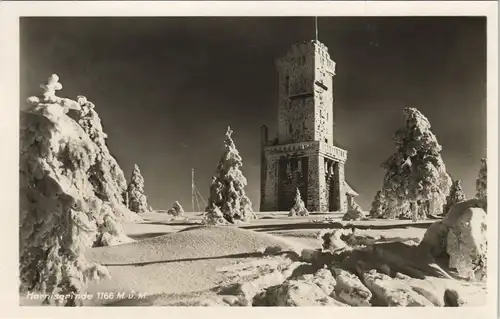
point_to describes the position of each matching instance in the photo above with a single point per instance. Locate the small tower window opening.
(290, 128)
(287, 83)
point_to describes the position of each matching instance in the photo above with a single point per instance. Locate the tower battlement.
(312, 49)
(305, 94)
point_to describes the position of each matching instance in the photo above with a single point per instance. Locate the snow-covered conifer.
(176, 210)
(227, 192)
(354, 211)
(299, 208)
(455, 196)
(137, 199)
(60, 214)
(105, 174)
(481, 183)
(416, 179)
(378, 205)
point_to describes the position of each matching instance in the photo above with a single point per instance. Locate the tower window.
(290, 128)
(287, 83)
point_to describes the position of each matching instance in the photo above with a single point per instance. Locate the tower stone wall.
(304, 155)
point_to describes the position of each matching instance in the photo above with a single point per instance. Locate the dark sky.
(167, 88)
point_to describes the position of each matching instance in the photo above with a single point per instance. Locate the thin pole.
(192, 189)
(316, 27)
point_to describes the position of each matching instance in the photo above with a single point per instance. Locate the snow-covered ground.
(179, 262)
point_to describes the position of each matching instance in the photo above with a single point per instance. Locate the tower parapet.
(305, 94)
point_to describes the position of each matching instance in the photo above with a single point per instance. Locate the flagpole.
(316, 27)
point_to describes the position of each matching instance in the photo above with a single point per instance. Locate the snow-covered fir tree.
(213, 216)
(137, 200)
(378, 205)
(61, 214)
(105, 174)
(455, 196)
(227, 192)
(176, 210)
(354, 211)
(416, 181)
(481, 183)
(299, 208)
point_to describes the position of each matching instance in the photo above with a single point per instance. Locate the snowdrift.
(180, 262)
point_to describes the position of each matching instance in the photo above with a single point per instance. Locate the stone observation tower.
(303, 155)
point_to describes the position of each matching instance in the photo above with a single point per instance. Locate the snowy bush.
(455, 196)
(176, 210)
(213, 216)
(481, 183)
(416, 181)
(378, 205)
(354, 212)
(137, 200)
(299, 208)
(227, 193)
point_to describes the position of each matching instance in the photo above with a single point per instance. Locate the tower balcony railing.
(292, 147)
(333, 151)
(308, 146)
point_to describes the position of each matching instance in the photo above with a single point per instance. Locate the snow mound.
(181, 262)
(228, 266)
(461, 238)
(378, 275)
(193, 242)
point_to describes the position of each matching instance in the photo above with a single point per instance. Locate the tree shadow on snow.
(173, 223)
(335, 225)
(240, 255)
(146, 235)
